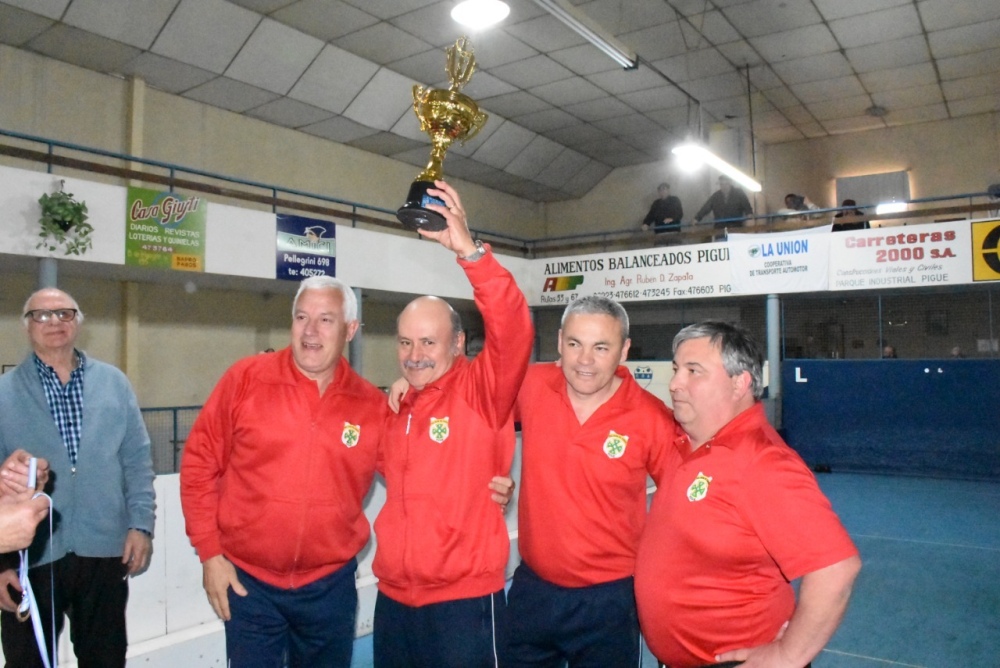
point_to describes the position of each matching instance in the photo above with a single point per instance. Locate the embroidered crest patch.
(614, 445)
(643, 375)
(699, 488)
(351, 434)
(439, 429)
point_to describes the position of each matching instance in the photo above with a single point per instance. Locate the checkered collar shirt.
(65, 402)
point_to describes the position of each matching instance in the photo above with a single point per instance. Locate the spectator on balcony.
(725, 204)
(795, 203)
(846, 212)
(666, 212)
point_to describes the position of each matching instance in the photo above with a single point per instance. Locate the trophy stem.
(435, 166)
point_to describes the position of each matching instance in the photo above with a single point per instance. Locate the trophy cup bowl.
(446, 115)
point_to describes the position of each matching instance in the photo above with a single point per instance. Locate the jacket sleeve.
(676, 210)
(137, 465)
(203, 463)
(499, 369)
(650, 219)
(705, 208)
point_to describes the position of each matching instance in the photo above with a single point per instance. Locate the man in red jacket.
(442, 545)
(590, 435)
(273, 478)
(740, 518)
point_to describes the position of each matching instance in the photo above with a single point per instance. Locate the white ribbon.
(28, 606)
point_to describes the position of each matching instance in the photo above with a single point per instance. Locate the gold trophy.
(445, 115)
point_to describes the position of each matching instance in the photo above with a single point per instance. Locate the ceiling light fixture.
(479, 14)
(890, 207)
(587, 28)
(692, 156)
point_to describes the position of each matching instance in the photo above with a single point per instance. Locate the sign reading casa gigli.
(165, 230)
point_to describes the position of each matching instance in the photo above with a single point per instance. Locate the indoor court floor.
(928, 594)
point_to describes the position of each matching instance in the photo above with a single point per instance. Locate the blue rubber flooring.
(929, 590)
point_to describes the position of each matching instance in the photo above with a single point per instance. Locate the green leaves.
(64, 223)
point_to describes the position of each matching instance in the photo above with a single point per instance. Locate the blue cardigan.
(112, 489)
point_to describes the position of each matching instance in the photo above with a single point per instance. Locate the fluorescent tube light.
(590, 31)
(890, 207)
(479, 14)
(693, 154)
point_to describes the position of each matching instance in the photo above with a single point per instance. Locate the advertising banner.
(305, 247)
(901, 257)
(165, 230)
(986, 250)
(677, 272)
(781, 262)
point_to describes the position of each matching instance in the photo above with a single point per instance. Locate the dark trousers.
(453, 634)
(313, 626)
(594, 626)
(92, 592)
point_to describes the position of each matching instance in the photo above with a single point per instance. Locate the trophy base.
(414, 216)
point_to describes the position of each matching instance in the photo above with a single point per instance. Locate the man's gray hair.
(27, 302)
(593, 305)
(456, 324)
(330, 283)
(740, 352)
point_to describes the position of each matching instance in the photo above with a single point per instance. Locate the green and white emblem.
(614, 446)
(351, 434)
(699, 488)
(439, 429)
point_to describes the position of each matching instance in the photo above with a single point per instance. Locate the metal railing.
(278, 197)
(168, 431)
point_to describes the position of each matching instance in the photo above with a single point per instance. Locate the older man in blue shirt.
(81, 416)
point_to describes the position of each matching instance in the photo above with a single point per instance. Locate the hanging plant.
(64, 223)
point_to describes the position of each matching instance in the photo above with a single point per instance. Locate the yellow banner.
(986, 251)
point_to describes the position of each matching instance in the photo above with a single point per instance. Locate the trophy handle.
(477, 124)
(420, 94)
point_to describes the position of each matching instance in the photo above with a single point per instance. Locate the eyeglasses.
(44, 314)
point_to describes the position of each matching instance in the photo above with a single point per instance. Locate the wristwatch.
(477, 254)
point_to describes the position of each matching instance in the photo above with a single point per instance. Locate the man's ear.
(742, 383)
(352, 329)
(628, 344)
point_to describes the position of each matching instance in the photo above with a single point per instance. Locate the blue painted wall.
(922, 417)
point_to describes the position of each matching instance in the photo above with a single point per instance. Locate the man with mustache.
(442, 545)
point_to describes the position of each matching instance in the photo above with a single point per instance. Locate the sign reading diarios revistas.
(165, 230)
(901, 257)
(680, 272)
(306, 247)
